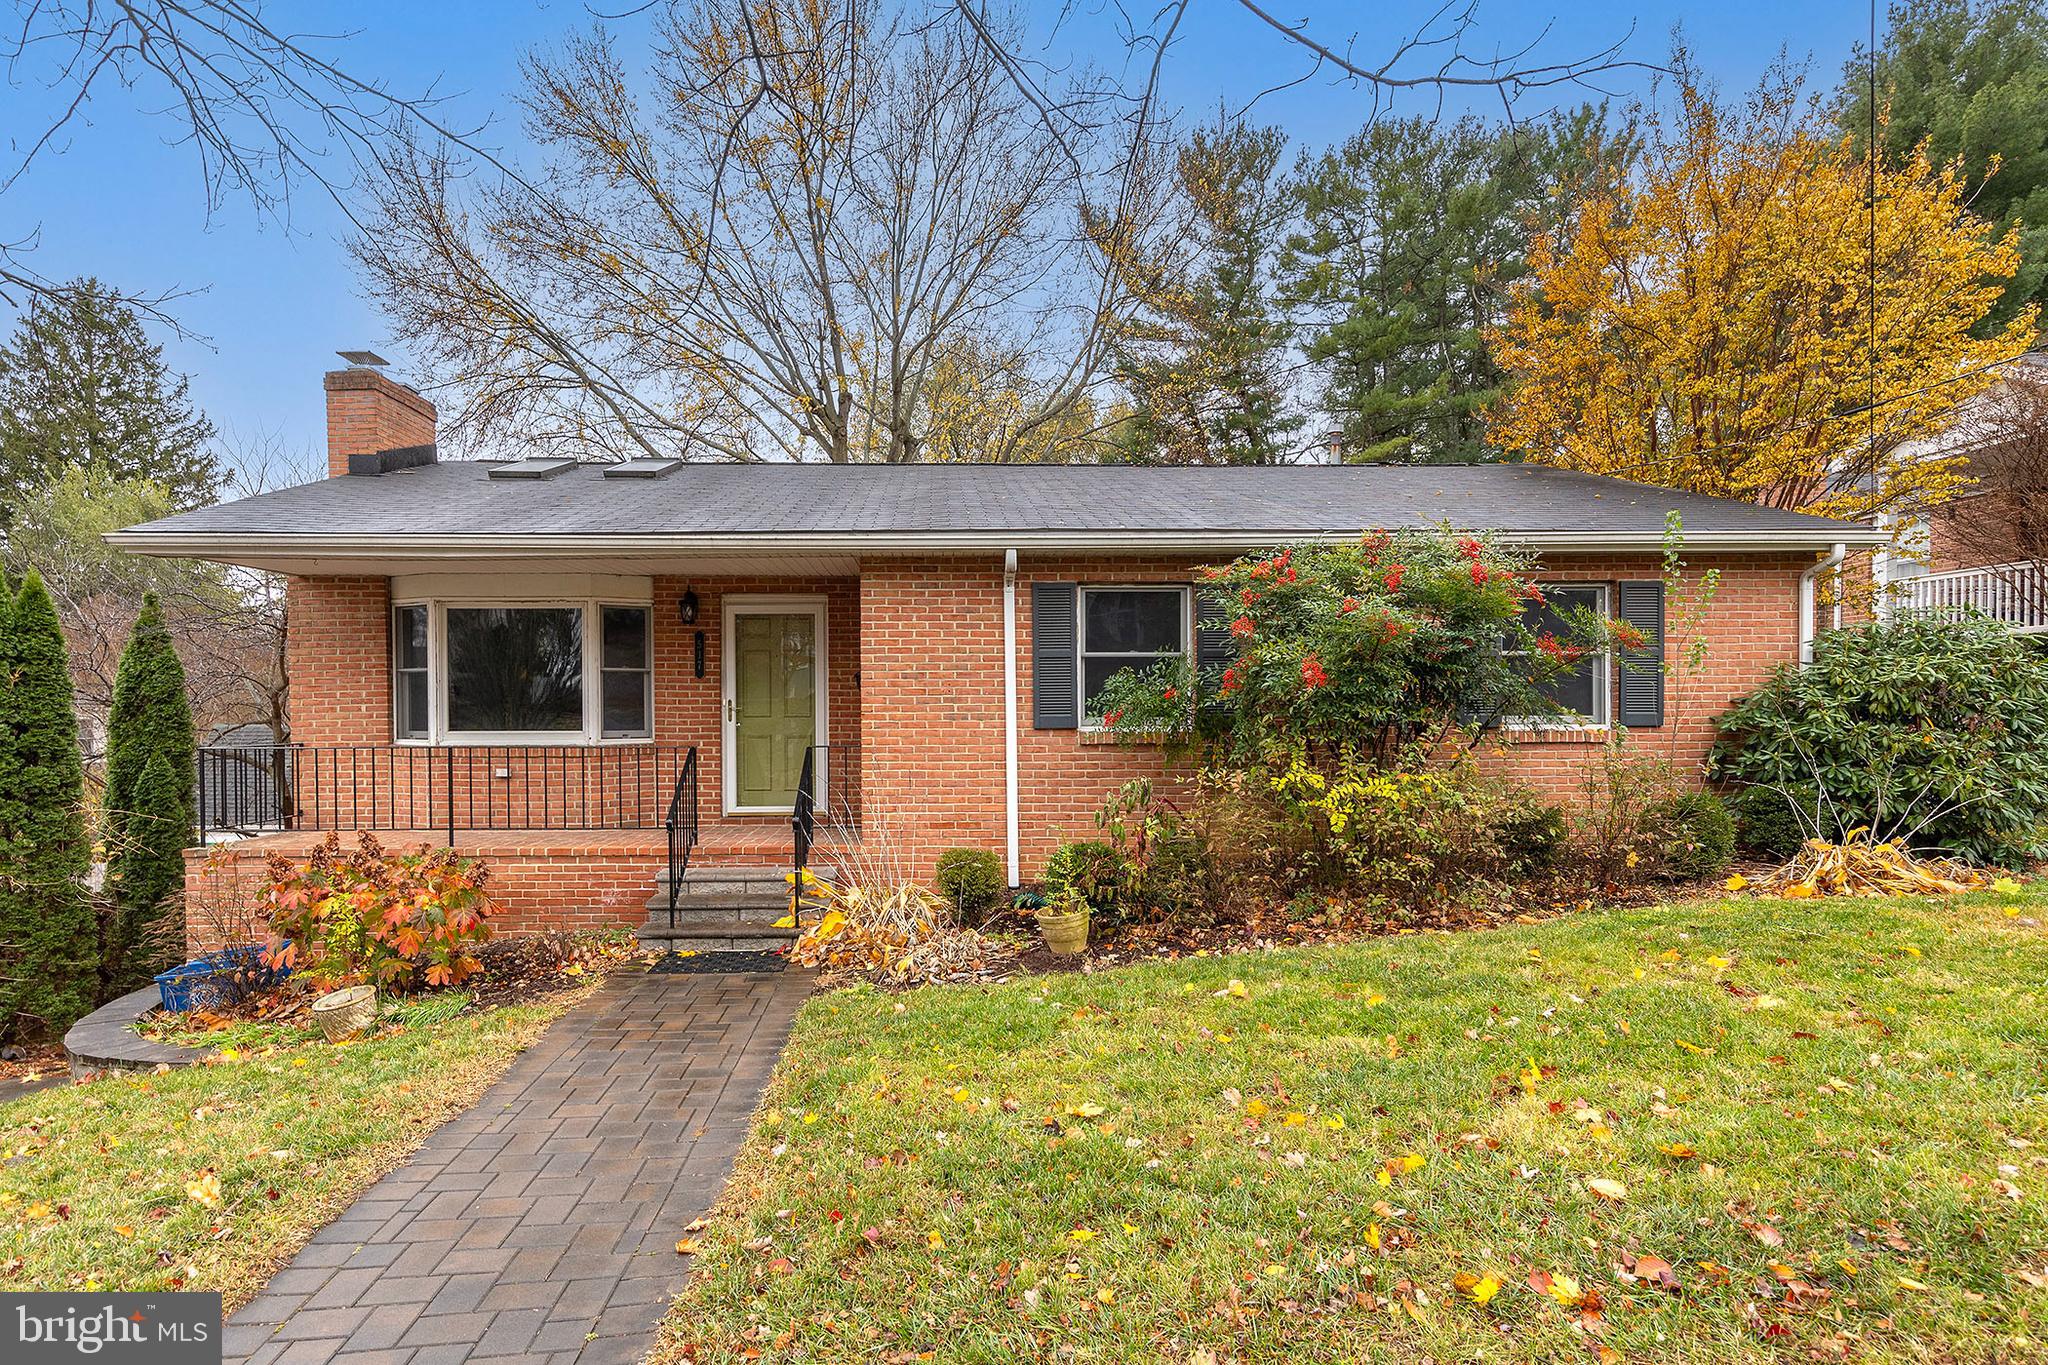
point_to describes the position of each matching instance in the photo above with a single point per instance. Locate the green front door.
(774, 704)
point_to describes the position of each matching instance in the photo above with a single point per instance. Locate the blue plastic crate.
(218, 978)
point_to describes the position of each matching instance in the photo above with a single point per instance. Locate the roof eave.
(231, 545)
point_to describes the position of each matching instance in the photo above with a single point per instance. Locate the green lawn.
(1829, 1119)
(211, 1177)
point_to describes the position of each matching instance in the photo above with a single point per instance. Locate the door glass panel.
(774, 704)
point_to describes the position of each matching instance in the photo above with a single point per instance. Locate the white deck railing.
(2016, 594)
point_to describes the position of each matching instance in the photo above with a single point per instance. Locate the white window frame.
(1603, 672)
(1187, 635)
(592, 731)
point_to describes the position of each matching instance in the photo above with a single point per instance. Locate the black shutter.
(1641, 687)
(1215, 646)
(1055, 672)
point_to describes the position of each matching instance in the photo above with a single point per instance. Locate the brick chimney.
(370, 414)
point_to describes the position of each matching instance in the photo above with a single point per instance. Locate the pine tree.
(1970, 82)
(1204, 360)
(1412, 233)
(81, 385)
(150, 724)
(46, 918)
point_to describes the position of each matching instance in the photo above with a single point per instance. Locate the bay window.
(490, 672)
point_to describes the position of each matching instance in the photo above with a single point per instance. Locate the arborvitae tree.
(46, 917)
(146, 873)
(81, 385)
(150, 723)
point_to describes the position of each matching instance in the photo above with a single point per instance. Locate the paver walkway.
(540, 1226)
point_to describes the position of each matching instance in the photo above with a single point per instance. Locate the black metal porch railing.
(255, 789)
(827, 790)
(682, 832)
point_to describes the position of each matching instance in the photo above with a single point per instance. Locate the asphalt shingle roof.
(457, 498)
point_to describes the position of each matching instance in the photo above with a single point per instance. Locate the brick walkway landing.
(539, 1228)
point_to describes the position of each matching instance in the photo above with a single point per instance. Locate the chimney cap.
(364, 360)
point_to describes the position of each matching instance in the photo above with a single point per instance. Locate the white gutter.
(1808, 591)
(491, 545)
(1010, 715)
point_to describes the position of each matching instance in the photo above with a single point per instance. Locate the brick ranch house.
(593, 675)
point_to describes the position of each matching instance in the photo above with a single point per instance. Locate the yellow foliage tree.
(1706, 322)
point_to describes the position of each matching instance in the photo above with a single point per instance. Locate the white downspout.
(1808, 591)
(1010, 713)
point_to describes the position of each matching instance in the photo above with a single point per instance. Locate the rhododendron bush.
(1377, 648)
(398, 921)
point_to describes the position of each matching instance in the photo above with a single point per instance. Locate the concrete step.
(714, 936)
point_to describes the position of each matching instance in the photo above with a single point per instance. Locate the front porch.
(575, 837)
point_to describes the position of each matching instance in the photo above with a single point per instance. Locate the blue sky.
(274, 301)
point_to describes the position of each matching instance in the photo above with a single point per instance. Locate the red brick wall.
(932, 719)
(537, 882)
(367, 412)
(339, 648)
(338, 657)
(915, 649)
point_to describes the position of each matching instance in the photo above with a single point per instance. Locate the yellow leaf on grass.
(1335, 1123)
(1087, 1109)
(1274, 1272)
(1565, 1290)
(2006, 886)
(688, 1246)
(1909, 948)
(1411, 1162)
(1736, 882)
(1294, 1120)
(1483, 1289)
(1372, 1235)
(1383, 1177)
(1255, 1108)
(1914, 1285)
(936, 1242)
(1235, 990)
(1080, 1235)
(205, 1190)
(1611, 1190)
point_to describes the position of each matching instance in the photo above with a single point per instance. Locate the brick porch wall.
(569, 880)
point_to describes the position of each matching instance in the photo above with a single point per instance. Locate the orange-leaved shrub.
(395, 920)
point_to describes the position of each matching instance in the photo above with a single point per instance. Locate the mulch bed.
(526, 967)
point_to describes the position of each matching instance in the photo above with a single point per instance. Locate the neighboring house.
(591, 672)
(1983, 551)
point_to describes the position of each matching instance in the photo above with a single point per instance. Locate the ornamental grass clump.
(899, 932)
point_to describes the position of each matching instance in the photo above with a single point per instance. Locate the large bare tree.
(784, 241)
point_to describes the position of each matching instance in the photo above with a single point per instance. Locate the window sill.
(1099, 736)
(1523, 732)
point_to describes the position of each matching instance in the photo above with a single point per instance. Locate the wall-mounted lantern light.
(688, 607)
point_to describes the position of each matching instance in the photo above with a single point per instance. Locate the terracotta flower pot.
(1066, 932)
(346, 1012)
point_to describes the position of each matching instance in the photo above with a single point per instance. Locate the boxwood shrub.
(1932, 730)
